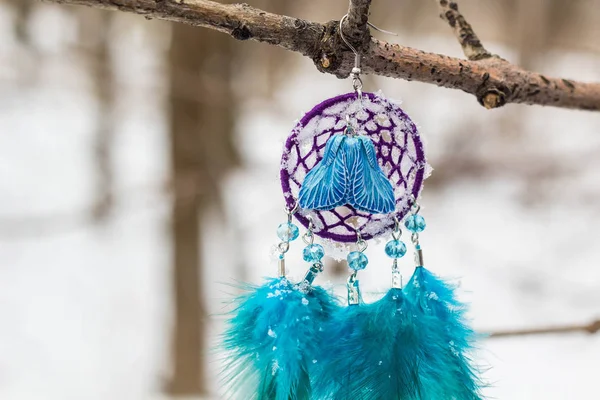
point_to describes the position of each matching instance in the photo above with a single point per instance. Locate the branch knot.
(241, 32)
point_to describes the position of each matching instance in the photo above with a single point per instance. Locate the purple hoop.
(399, 153)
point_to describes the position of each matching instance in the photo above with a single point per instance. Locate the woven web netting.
(399, 153)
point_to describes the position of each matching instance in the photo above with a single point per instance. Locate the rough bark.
(355, 28)
(492, 80)
(470, 43)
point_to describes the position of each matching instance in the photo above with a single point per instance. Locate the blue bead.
(288, 232)
(313, 253)
(395, 249)
(415, 223)
(357, 260)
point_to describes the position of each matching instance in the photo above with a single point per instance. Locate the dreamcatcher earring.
(350, 171)
(448, 371)
(351, 163)
(361, 183)
(272, 336)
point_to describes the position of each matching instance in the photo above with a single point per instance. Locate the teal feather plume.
(447, 370)
(272, 340)
(371, 352)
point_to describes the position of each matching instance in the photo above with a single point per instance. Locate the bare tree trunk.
(23, 9)
(202, 151)
(186, 160)
(94, 37)
(106, 126)
(532, 30)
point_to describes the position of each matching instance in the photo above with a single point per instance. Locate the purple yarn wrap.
(399, 153)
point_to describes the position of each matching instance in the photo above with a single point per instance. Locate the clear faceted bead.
(357, 260)
(313, 253)
(395, 249)
(415, 223)
(288, 232)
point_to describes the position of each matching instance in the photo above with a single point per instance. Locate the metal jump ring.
(293, 210)
(309, 236)
(283, 247)
(397, 232)
(414, 206)
(360, 243)
(415, 238)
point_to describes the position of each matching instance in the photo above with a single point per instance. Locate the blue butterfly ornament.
(349, 174)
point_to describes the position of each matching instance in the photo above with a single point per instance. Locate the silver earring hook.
(382, 30)
(357, 59)
(356, 55)
(356, 81)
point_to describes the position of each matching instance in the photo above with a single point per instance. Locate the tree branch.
(492, 80)
(463, 31)
(591, 328)
(355, 27)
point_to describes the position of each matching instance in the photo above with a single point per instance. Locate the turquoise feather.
(371, 352)
(272, 340)
(447, 371)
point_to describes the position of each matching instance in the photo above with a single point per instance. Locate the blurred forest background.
(138, 172)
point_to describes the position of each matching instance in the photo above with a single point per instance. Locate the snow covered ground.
(85, 310)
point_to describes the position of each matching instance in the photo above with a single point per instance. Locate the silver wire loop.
(293, 210)
(311, 224)
(382, 30)
(357, 83)
(361, 244)
(414, 238)
(397, 232)
(309, 236)
(414, 206)
(350, 129)
(356, 55)
(283, 247)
